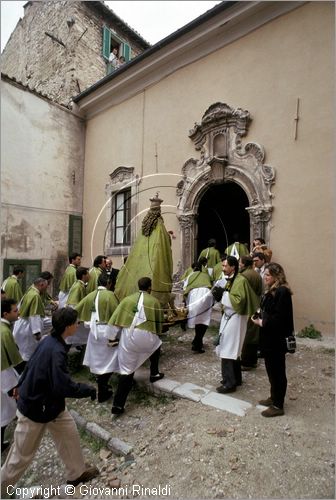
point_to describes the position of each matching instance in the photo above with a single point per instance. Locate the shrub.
(310, 332)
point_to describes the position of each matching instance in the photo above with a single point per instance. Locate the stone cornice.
(223, 28)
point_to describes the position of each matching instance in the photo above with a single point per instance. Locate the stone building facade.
(61, 48)
(232, 123)
(42, 172)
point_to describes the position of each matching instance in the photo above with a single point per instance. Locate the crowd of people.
(118, 335)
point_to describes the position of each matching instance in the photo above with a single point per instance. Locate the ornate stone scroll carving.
(121, 174)
(224, 158)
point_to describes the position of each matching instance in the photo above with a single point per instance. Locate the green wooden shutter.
(126, 51)
(75, 234)
(32, 270)
(106, 42)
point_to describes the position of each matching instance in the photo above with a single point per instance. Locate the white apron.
(135, 345)
(9, 379)
(199, 303)
(99, 356)
(62, 299)
(232, 331)
(23, 333)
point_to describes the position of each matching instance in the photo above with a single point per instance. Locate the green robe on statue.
(12, 288)
(124, 314)
(150, 256)
(10, 355)
(107, 305)
(76, 294)
(68, 278)
(32, 304)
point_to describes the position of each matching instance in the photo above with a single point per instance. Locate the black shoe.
(199, 350)
(87, 475)
(117, 411)
(248, 368)
(222, 389)
(4, 446)
(155, 378)
(237, 383)
(104, 396)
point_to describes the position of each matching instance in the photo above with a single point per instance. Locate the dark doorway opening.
(222, 213)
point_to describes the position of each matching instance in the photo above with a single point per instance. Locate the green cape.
(31, 304)
(107, 303)
(217, 272)
(10, 355)
(124, 314)
(243, 299)
(68, 278)
(254, 279)
(241, 249)
(150, 256)
(92, 285)
(186, 273)
(198, 279)
(213, 256)
(13, 289)
(76, 294)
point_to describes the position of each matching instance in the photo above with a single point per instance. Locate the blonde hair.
(277, 272)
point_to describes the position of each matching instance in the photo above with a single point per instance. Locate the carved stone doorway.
(224, 160)
(221, 214)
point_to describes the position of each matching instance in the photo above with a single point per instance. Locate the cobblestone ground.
(183, 449)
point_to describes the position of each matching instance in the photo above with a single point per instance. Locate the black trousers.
(275, 363)
(231, 372)
(199, 334)
(126, 381)
(249, 356)
(102, 382)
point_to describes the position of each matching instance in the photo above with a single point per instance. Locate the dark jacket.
(277, 317)
(45, 382)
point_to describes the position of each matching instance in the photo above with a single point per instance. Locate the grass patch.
(310, 332)
(95, 444)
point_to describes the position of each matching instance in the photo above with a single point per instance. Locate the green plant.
(310, 332)
(94, 443)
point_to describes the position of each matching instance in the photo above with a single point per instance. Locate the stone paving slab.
(166, 385)
(190, 391)
(226, 403)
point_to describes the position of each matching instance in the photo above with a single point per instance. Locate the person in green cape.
(236, 249)
(76, 293)
(239, 302)
(249, 355)
(68, 278)
(139, 319)
(96, 309)
(99, 267)
(199, 301)
(11, 285)
(11, 366)
(150, 256)
(29, 327)
(212, 255)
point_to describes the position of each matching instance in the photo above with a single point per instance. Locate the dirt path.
(196, 451)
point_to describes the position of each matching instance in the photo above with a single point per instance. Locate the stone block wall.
(58, 57)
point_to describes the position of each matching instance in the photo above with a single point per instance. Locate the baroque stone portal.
(224, 158)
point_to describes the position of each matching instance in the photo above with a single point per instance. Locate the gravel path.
(194, 451)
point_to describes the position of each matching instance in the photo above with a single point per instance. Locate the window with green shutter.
(75, 234)
(32, 270)
(106, 42)
(126, 51)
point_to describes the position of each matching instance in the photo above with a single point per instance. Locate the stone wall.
(42, 162)
(72, 60)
